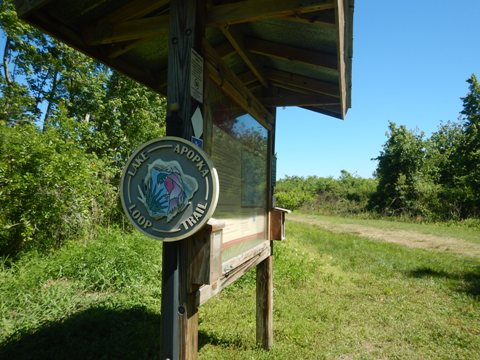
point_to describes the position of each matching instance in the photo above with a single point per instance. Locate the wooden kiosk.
(224, 66)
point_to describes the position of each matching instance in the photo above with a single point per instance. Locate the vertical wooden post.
(179, 310)
(264, 313)
(265, 303)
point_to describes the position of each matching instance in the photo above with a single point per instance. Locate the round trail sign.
(169, 188)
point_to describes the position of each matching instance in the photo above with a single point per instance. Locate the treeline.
(435, 178)
(347, 195)
(67, 125)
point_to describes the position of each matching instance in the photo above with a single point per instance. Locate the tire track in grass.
(408, 238)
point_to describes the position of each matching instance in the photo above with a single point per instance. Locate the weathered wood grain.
(238, 42)
(243, 264)
(180, 332)
(255, 10)
(234, 87)
(340, 19)
(265, 303)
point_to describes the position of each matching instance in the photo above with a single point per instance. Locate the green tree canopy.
(67, 125)
(398, 170)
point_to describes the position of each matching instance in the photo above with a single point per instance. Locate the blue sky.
(411, 60)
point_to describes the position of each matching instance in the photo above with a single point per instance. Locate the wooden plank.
(247, 78)
(237, 40)
(255, 10)
(233, 86)
(225, 49)
(280, 51)
(125, 26)
(206, 292)
(291, 53)
(119, 49)
(300, 100)
(205, 254)
(108, 33)
(325, 111)
(265, 303)
(134, 9)
(325, 19)
(26, 7)
(340, 18)
(236, 261)
(302, 82)
(242, 96)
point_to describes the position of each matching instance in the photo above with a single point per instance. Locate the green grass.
(336, 296)
(356, 299)
(95, 300)
(468, 230)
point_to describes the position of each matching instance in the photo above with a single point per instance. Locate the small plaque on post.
(169, 188)
(196, 76)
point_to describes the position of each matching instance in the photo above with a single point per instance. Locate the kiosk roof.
(286, 52)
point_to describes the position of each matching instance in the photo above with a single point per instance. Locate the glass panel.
(238, 146)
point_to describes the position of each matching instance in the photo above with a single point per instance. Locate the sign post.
(169, 190)
(179, 311)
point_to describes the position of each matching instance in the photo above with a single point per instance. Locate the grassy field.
(468, 230)
(337, 296)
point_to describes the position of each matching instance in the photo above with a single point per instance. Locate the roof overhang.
(286, 52)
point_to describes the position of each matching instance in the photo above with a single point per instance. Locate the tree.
(469, 149)
(45, 81)
(399, 172)
(442, 167)
(67, 125)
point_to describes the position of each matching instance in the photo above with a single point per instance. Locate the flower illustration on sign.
(166, 189)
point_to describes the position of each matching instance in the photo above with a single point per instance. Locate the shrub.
(50, 190)
(349, 194)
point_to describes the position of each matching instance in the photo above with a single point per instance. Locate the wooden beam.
(134, 9)
(119, 49)
(322, 19)
(285, 52)
(108, 33)
(302, 82)
(280, 51)
(225, 49)
(238, 267)
(255, 10)
(333, 112)
(179, 323)
(304, 20)
(26, 7)
(224, 77)
(238, 42)
(340, 18)
(247, 78)
(300, 100)
(123, 25)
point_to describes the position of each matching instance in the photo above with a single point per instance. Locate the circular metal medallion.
(169, 188)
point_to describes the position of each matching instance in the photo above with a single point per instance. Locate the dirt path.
(408, 238)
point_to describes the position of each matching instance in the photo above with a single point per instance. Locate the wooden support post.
(265, 303)
(179, 307)
(264, 313)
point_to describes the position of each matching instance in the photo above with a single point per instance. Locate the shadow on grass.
(205, 338)
(467, 282)
(96, 333)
